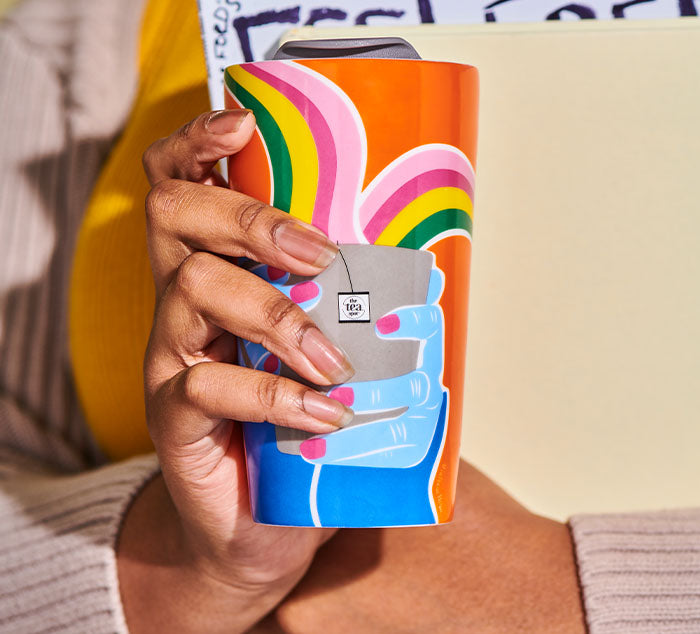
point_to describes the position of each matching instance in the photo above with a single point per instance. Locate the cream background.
(583, 387)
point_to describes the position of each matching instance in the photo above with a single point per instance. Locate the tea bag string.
(352, 290)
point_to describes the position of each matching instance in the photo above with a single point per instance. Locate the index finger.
(184, 217)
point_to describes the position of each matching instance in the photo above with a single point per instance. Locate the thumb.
(192, 151)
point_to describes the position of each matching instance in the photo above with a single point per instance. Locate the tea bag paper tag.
(353, 307)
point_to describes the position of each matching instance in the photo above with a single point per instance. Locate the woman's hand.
(190, 555)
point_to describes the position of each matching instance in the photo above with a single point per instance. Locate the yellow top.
(111, 295)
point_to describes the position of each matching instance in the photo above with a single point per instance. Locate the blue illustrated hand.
(305, 294)
(402, 441)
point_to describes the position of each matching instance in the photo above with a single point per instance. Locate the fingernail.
(225, 121)
(313, 448)
(275, 274)
(271, 364)
(344, 395)
(326, 409)
(326, 357)
(388, 324)
(305, 244)
(303, 292)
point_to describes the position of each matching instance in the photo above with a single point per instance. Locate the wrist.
(165, 586)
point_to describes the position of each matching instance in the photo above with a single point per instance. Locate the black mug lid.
(372, 47)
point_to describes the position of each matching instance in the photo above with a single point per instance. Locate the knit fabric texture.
(58, 568)
(66, 87)
(640, 572)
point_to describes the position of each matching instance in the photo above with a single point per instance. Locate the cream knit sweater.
(67, 74)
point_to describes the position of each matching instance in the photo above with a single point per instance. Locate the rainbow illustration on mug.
(321, 148)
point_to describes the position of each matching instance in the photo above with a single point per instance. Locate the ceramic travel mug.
(375, 147)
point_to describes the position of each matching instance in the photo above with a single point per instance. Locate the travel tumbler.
(376, 148)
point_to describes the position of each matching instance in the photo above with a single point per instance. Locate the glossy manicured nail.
(303, 292)
(305, 244)
(225, 121)
(388, 324)
(313, 448)
(326, 409)
(344, 395)
(327, 359)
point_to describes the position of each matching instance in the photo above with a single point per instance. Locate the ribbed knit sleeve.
(640, 572)
(67, 79)
(57, 545)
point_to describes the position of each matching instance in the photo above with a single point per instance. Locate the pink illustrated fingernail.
(271, 364)
(313, 448)
(275, 274)
(344, 395)
(303, 292)
(388, 324)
